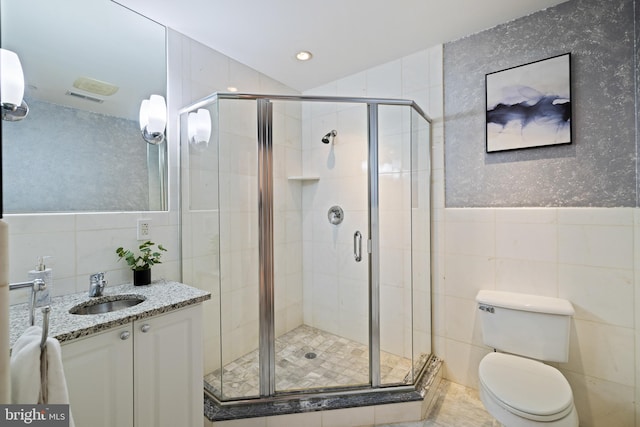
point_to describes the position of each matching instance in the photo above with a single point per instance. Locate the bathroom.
(571, 228)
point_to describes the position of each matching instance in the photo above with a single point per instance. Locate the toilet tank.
(528, 325)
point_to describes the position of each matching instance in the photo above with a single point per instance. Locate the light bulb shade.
(199, 126)
(11, 78)
(157, 114)
(144, 114)
(153, 119)
(192, 126)
(153, 114)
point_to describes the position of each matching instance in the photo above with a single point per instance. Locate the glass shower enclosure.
(308, 219)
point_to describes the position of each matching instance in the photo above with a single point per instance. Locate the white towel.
(25, 370)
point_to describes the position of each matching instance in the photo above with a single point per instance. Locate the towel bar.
(35, 285)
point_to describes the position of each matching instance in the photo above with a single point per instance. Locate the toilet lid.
(526, 387)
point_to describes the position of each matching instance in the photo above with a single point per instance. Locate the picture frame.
(529, 105)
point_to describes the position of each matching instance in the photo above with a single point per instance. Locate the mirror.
(88, 64)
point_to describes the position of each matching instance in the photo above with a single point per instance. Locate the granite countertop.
(161, 296)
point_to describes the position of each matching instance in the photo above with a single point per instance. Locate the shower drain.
(310, 355)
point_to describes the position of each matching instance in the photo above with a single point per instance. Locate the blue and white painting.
(529, 105)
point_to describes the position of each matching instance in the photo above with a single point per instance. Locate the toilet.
(516, 387)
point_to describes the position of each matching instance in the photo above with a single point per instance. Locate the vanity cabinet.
(168, 389)
(99, 374)
(145, 374)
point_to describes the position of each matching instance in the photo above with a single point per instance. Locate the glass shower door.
(313, 236)
(404, 207)
(320, 245)
(235, 373)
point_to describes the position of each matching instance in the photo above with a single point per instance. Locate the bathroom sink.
(107, 304)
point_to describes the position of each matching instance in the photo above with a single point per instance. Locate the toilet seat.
(525, 387)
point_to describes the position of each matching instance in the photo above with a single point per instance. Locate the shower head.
(331, 135)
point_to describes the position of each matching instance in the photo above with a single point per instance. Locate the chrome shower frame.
(266, 256)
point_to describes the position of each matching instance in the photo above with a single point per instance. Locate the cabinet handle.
(145, 328)
(124, 335)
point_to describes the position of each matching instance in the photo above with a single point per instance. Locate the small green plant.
(145, 260)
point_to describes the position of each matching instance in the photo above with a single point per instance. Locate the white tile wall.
(584, 255)
(81, 244)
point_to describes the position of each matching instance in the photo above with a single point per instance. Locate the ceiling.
(101, 40)
(345, 36)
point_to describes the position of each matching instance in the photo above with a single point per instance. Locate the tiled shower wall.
(335, 285)
(224, 238)
(287, 221)
(335, 294)
(227, 231)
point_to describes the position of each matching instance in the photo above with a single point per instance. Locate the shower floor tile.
(307, 358)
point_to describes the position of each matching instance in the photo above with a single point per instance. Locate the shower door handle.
(357, 246)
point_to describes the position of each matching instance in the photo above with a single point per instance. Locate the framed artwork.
(529, 105)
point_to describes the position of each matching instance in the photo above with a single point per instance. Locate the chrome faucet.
(96, 284)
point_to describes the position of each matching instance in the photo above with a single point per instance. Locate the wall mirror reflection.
(87, 64)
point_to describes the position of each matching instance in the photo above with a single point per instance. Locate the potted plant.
(141, 264)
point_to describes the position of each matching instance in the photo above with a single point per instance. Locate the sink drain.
(310, 355)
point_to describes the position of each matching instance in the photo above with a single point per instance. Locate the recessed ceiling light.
(232, 89)
(303, 55)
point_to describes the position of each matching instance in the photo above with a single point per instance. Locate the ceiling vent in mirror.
(95, 86)
(85, 97)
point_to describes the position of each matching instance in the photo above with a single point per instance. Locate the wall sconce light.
(12, 87)
(199, 127)
(153, 119)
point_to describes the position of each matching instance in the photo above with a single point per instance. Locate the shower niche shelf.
(307, 178)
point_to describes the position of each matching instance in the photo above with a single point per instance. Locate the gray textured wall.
(599, 167)
(637, 63)
(61, 159)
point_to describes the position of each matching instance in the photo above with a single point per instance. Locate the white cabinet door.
(99, 373)
(168, 369)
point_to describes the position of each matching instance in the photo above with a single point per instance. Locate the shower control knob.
(335, 215)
